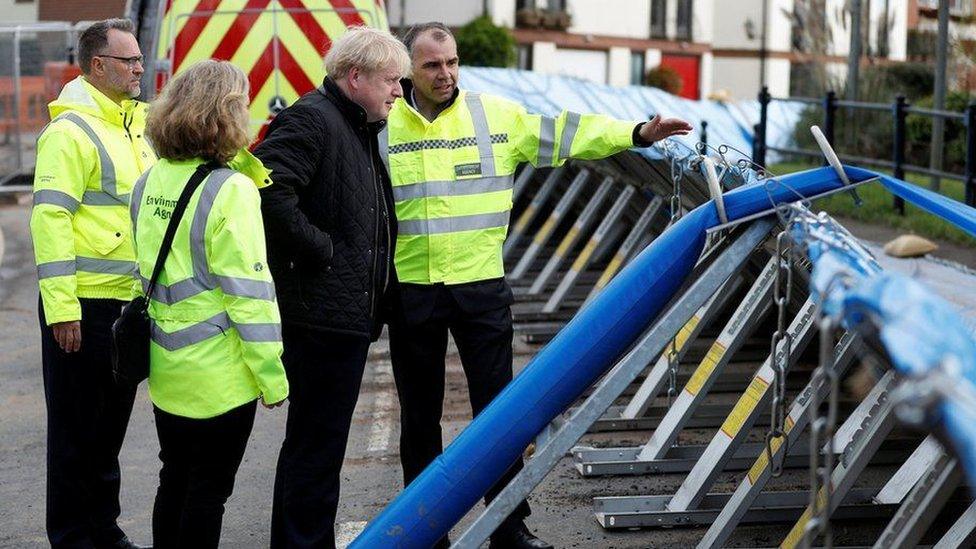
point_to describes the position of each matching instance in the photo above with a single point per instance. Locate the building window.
(525, 57)
(683, 30)
(557, 5)
(659, 14)
(524, 5)
(636, 68)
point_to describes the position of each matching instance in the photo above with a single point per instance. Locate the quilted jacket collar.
(350, 110)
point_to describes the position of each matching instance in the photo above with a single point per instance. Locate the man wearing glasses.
(88, 159)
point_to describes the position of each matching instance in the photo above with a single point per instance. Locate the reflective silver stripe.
(547, 142)
(105, 266)
(452, 224)
(202, 331)
(56, 198)
(55, 268)
(108, 181)
(96, 198)
(569, 132)
(383, 141)
(198, 227)
(202, 279)
(259, 333)
(461, 187)
(178, 291)
(246, 287)
(481, 133)
(138, 189)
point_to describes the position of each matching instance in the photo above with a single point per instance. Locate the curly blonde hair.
(202, 112)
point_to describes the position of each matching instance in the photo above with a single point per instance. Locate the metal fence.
(899, 110)
(35, 61)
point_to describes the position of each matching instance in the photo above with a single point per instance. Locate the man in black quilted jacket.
(331, 229)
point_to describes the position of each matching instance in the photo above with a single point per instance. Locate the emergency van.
(278, 43)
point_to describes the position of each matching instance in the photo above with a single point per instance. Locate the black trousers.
(417, 350)
(200, 460)
(87, 415)
(324, 370)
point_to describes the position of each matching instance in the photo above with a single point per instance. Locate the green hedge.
(483, 44)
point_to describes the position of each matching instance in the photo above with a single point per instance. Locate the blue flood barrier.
(596, 337)
(924, 336)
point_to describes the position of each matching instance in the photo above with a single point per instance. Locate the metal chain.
(781, 348)
(822, 439)
(677, 173)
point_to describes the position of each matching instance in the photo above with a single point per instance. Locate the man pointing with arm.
(452, 155)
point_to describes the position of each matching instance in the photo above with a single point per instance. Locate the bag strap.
(201, 173)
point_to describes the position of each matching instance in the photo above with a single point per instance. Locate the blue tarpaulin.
(924, 335)
(729, 123)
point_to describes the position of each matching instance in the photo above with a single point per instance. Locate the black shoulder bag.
(131, 331)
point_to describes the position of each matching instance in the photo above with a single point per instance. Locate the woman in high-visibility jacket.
(216, 333)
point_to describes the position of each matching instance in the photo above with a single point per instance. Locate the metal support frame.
(761, 471)
(629, 245)
(522, 181)
(907, 476)
(578, 230)
(651, 511)
(735, 428)
(623, 373)
(595, 462)
(658, 372)
(548, 228)
(923, 504)
(874, 427)
(743, 321)
(962, 533)
(586, 254)
(531, 211)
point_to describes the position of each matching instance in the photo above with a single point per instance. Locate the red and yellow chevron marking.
(278, 43)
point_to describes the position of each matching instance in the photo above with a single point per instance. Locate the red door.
(689, 67)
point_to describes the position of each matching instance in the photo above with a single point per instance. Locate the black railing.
(899, 110)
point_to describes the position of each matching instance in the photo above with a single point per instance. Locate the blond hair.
(201, 113)
(367, 49)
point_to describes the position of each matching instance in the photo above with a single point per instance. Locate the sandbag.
(910, 245)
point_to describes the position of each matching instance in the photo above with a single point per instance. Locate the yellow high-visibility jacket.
(216, 331)
(452, 178)
(88, 158)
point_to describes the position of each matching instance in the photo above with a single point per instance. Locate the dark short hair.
(94, 39)
(440, 32)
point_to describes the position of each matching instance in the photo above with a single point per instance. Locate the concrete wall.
(729, 25)
(17, 12)
(618, 67)
(623, 18)
(703, 20)
(740, 76)
(898, 27)
(453, 14)
(502, 12)
(544, 58)
(586, 64)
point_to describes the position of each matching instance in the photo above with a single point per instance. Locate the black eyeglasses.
(130, 62)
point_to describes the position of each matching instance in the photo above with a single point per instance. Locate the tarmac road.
(371, 473)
